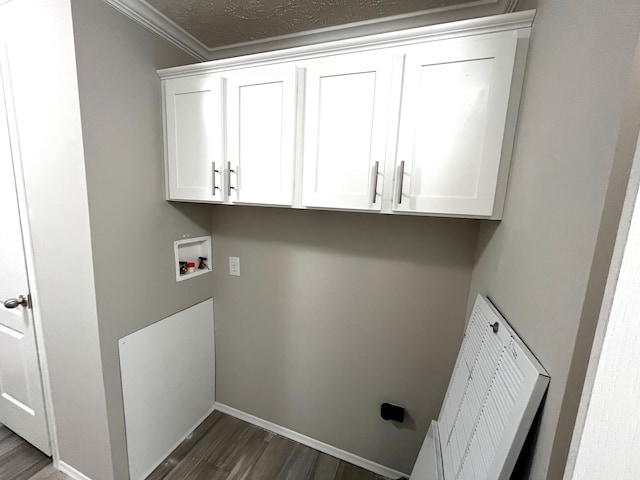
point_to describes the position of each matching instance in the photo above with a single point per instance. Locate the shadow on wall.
(522, 468)
(404, 238)
(197, 213)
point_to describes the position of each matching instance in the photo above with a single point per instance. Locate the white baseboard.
(69, 471)
(311, 442)
(272, 427)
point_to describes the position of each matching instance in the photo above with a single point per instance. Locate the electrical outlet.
(234, 266)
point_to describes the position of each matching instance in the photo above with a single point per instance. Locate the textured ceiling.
(218, 23)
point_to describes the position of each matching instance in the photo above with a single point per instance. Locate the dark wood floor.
(20, 460)
(225, 448)
(221, 448)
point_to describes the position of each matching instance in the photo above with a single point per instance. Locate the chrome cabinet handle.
(229, 187)
(214, 187)
(401, 181)
(21, 301)
(375, 182)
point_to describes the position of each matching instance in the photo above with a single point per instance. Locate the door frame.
(23, 210)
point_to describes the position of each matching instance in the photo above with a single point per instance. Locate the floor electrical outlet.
(234, 266)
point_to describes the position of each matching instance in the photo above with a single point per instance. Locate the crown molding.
(518, 21)
(422, 18)
(150, 18)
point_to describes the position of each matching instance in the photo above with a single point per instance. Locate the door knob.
(22, 300)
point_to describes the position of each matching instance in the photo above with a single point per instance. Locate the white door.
(454, 106)
(21, 394)
(193, 112)
(261, 123)
(345, 130)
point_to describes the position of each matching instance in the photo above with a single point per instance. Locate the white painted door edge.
(312, 442)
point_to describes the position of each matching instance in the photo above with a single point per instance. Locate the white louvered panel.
(466, 421)
(468, 352)
(477, 385)
(455, 450)
(459, 409)
(453, 431)
(493, 395)
(521, 383)
(482, 381)
(497, 411)
(466, 359)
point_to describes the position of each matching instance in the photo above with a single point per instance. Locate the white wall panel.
(168, 384)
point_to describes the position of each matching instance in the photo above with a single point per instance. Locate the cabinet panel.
(346, 110)
(261, 135)
(454, 107)
(194, 138)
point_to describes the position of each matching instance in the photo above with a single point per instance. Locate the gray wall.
(132, 227)
(335, 313)
(39, 37)
(605, 260)
(538, 263)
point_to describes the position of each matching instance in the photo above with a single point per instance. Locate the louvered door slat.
(497, 411)
(485, 455)
(497, 343)
(468, 353)
(477, 384)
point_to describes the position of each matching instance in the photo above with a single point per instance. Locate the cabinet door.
(452, 122)
(345, 130)
(261, 134)
(194, 138)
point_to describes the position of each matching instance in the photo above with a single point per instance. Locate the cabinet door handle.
(214, 187)
(400, 181)
(375, 182)
(229, 187)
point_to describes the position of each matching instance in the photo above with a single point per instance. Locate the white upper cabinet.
(345, 130)
(455, 98)
(260, 126)
(417, 122)
(193, 139)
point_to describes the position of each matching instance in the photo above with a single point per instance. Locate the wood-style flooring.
(221, 448)
(226, 448)
(19, 460)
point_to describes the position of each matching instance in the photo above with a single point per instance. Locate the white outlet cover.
(234, 266)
